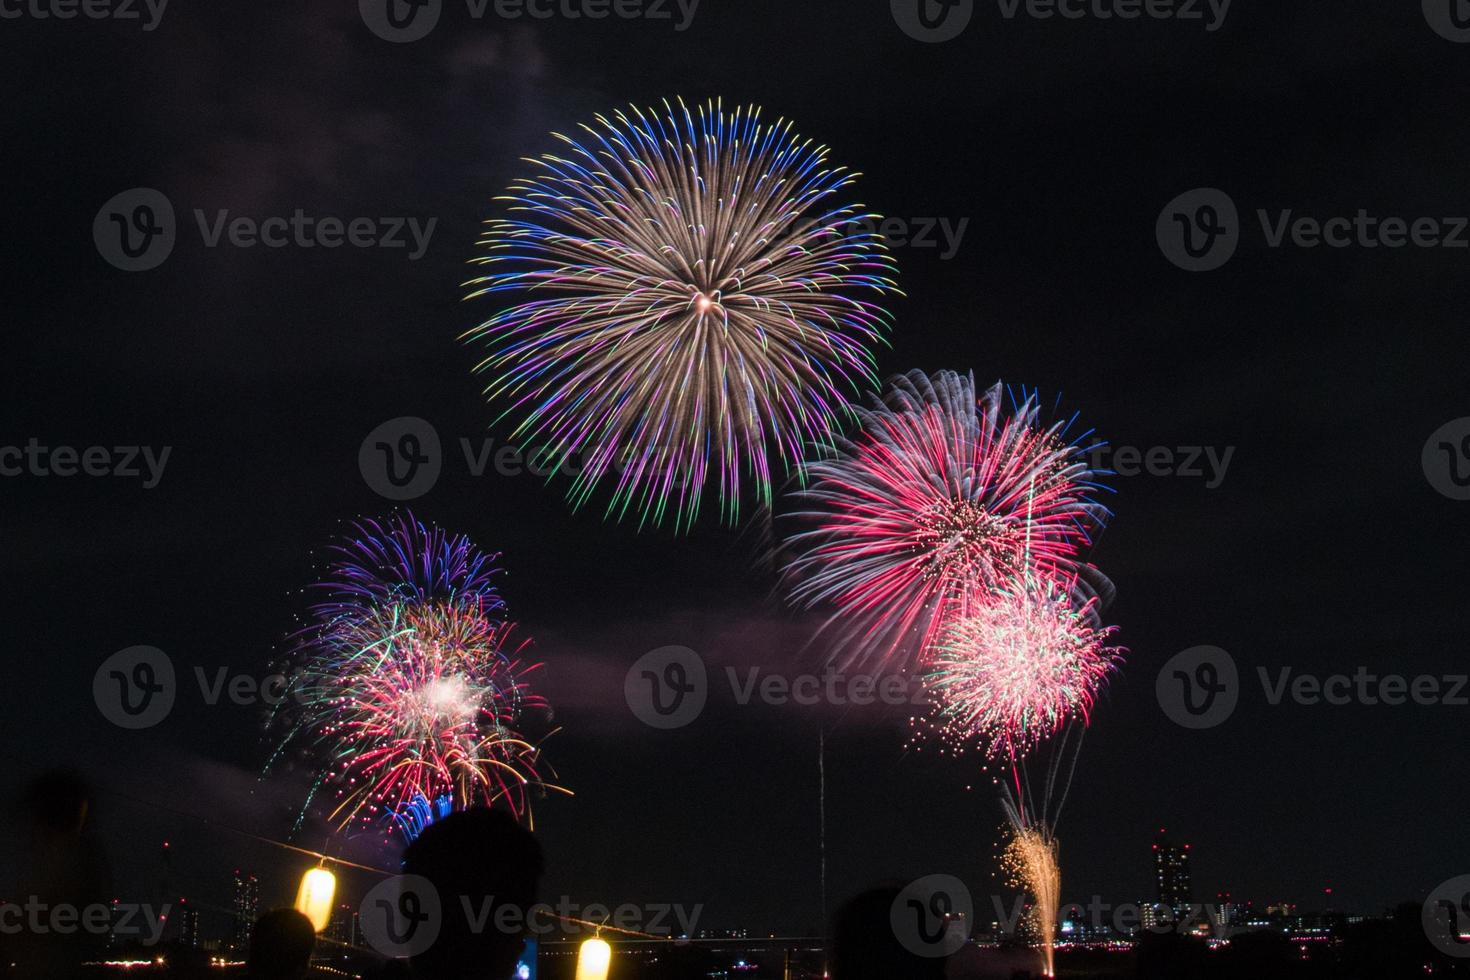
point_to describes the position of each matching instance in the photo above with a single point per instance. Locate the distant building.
(1171, 874)
(188, 925)
(247, 904)
(1229, 911)
(345, 928)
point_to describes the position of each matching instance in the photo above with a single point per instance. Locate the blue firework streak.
(400, 560)
(702, 306)
(413, 817)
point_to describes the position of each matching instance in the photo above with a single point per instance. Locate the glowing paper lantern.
(314, 897)
(594, 960)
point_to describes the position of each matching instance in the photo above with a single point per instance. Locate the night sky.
(1324, 548)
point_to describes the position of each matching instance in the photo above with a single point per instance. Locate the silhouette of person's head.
(60, 864)
(481, 861)
(864, 946)
(280, 946)
(57, 803)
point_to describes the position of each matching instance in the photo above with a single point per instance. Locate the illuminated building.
(346, 927)
(247, 902)
(188, 925)
(1171, 874)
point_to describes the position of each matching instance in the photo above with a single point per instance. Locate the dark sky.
(1324, 549)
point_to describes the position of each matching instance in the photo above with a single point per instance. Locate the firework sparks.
(939, 500)
(409, 688)
(1031, 863)
(1018, 668)
(698, 307)
(425, 704)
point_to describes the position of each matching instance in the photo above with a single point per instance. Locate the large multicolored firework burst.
(939, 500)
(423, 703)
(409, 689)
(696, 306)
(1018, 667)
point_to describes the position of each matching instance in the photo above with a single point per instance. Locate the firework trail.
(700, 306)
(1030, 862)
(939, 500)
(409, 690)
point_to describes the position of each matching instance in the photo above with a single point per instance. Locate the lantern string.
(343, 862)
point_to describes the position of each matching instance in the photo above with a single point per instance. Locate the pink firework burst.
(1015, 670)
(941, 498)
